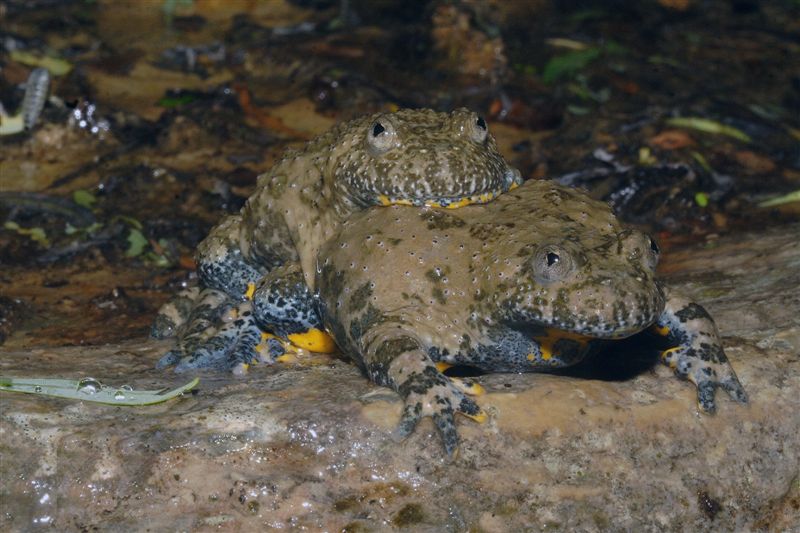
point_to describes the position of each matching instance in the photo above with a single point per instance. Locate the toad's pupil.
(377, 129)
(552, 259)
(481, 123)
(654, 246)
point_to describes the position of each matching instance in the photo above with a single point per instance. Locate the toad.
(267, 252)
(534, 281)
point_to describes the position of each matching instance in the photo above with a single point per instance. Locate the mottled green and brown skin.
(530, 282)
(417, 157)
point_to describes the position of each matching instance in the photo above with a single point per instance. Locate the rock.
(308, 445)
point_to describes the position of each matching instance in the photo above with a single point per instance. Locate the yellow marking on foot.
(262, 346)
(661, 330)
(289, 357)
(313, 340)
(480, 418)
(547, 343)
(472, 388)
(547, 352)
(666, 353)
(441, 366)
(251, 290)
(230, 315)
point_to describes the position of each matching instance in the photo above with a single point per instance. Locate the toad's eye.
(475, 127)
(654, 246)
(382, 137)
(552, 263)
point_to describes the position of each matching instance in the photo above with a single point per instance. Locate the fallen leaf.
(672, 140)
(758, 164)
(261, 117)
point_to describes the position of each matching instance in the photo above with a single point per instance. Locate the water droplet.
(89, 386)
(119, 395)
(37, 388)
(126, 388)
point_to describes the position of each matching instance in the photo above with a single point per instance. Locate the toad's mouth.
(445, 202)
(510, 181)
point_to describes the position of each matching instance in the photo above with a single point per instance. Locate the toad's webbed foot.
(174, 314)
(425, 391)
(698, 355)
(207, 310)
(234, 346)
(433, 394)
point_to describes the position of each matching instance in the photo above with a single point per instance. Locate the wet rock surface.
(307, 445)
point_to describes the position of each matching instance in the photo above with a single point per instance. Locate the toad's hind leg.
(280, 305)
(221, 263)
(698, 355)
(284, 305)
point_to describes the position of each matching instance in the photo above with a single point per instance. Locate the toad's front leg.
(399, 361)
(698, 354)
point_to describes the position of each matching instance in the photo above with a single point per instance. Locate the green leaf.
(793, 196)
(83, 198)
(37, 234)
(129, 221)
(91, 390)
(11, 125)
(709, 126)
(702, 161)
(56, 66)
(701, 199)
(136, 243)
(566, 65)
(176, 101)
